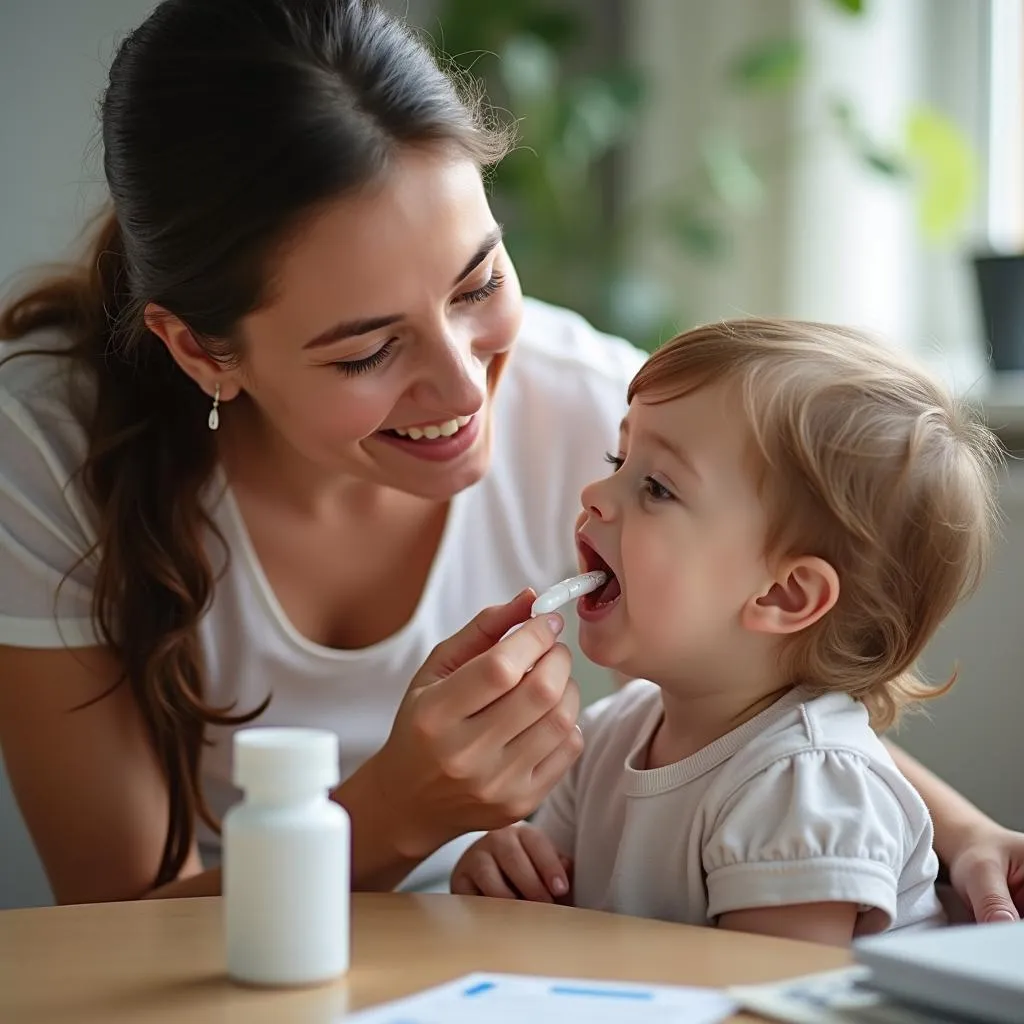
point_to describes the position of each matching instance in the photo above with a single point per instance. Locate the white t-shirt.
(799, 805)
(557, 411)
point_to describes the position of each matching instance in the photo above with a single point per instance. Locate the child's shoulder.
(832, 721)
(823, 740)
(812, 809)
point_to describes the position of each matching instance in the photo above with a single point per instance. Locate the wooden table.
(163, 960)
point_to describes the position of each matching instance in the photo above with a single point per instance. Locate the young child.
(792, 512)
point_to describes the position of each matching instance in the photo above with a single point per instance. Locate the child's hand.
(518, 862)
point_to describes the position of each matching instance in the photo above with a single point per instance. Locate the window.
(1004, 212)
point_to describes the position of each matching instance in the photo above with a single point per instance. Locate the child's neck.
(694, 718)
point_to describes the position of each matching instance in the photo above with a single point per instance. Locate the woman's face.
(379, 352)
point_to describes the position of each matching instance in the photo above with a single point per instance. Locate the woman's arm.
(985, 860)
(378, 864)
(87, 781)
(954, 817)
(94, 798)
(486, 728)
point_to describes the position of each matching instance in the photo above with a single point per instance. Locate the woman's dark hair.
(225, 124)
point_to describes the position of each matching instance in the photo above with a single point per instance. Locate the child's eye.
(657, 491)
(614, 460)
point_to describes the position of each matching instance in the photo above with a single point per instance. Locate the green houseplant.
(556, 192)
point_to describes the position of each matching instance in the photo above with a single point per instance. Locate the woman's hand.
(486, 729)
(988, 873)
(511, 863)
(985, 860)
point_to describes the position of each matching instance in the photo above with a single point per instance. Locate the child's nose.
(597, 500)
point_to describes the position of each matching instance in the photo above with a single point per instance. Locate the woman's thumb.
(480, 634)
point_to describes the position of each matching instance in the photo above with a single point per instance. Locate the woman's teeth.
(434, 430)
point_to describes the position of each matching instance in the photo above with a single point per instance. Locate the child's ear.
(804, 591)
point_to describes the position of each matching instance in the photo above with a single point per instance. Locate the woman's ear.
(189, 354)
(805, 590)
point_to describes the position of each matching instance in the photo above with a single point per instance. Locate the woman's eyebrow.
(487, 246)
(366, 325)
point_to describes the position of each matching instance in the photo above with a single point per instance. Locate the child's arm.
(828, 923)
(819, 844)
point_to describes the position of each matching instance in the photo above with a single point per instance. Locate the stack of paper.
(834, 997)
(515, 999)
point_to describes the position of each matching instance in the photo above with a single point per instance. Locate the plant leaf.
(888, 164)
(628, 85)
(529, 68)
(944, 163)
(559, 29)
(597, 117)
(849, 6)
(873, 154)
(696, 233)
(771, 64)
(731, 175)
(841, 111)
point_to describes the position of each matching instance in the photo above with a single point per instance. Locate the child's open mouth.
(599, 601)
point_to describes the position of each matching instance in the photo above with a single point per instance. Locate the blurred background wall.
(682, 161)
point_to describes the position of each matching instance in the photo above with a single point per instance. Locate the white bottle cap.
(273, 760)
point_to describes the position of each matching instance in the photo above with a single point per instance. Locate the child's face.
(682, 526)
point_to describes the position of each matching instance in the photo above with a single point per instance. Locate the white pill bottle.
(286, 860)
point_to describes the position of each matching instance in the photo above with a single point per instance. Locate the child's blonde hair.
(867, 463)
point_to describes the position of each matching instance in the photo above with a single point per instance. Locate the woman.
(263, 463)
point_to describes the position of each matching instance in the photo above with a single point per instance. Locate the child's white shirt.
(799, 805)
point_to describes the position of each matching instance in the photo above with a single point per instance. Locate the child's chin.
(601, 650)
(594, 648)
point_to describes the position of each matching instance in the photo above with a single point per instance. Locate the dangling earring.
(214, 419)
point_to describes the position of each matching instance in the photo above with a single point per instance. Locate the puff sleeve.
(815, 826)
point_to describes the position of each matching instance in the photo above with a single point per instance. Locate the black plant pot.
(1001, 291)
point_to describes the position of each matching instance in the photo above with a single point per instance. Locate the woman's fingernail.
(559, 886)
(555, 623)
(1001, 915)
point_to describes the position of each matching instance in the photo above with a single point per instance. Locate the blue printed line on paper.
(605, 993)
(476, 990)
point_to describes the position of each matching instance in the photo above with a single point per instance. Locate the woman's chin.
(442, 486)
(435, 479)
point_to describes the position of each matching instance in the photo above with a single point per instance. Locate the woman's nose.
(455, 380)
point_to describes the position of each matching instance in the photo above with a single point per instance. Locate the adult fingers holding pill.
(486, 728)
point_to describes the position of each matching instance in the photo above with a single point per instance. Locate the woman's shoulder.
(566, 381)
(560, 346)
(557, 413)
(44, 398)
(38, 374)
(47, 532)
